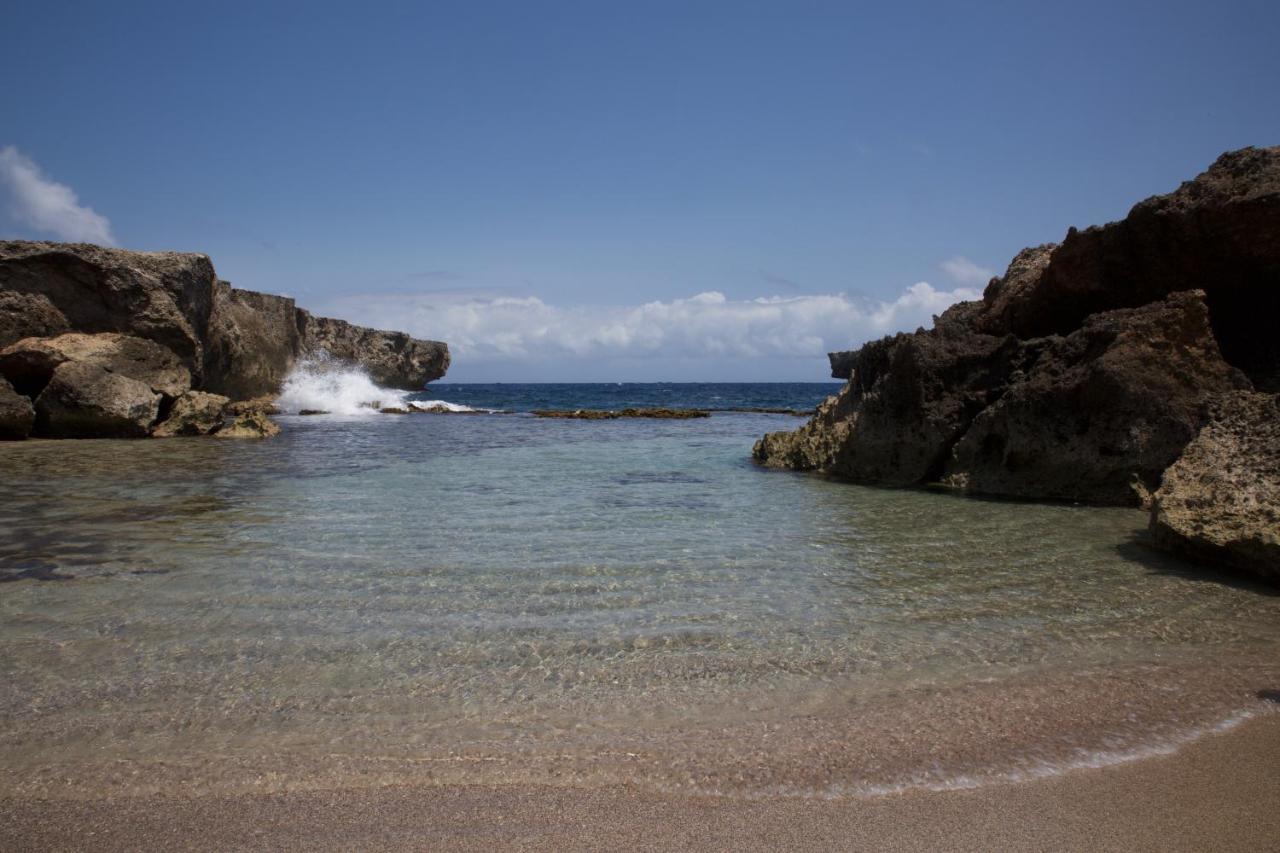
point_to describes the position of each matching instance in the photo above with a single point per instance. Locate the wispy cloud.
(47, 206)
(965, 272)
(497, 328)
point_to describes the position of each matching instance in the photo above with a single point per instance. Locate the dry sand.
(1221, 793)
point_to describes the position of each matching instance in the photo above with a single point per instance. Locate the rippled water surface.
(497, 598)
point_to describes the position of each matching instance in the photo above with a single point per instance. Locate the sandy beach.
(1219, 793)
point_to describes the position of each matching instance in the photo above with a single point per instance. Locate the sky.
(606, 191)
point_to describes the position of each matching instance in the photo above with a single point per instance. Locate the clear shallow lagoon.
(379, 598)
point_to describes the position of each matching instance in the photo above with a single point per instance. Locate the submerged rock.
(194, 413)
(17, 415)
(1220, 501)
(85, 400)
(250, 425)
(607, 415)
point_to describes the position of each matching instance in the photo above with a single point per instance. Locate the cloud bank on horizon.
(515, 333)
(47, 206)
(705, 336)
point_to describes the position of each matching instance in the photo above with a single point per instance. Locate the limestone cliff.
(233, 342)
(1086, 369)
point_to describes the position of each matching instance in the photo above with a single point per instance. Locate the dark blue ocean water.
(522, 397)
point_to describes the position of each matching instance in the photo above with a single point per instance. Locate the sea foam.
(322, 383)
(325, 384)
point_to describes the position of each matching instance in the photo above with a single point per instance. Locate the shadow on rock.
(1139, 549)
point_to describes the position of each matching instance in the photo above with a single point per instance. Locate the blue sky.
(619, 190)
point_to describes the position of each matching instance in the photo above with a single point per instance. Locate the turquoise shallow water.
(494, 598)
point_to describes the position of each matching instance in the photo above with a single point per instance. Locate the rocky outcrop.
(1115, 400)
(85, 400)
(17, 415)
(30, 363)
(392, 359)
(249, 425)
(1086, 369)
(234, 342)
(1220, 501)
(194, 413)
(108, 384)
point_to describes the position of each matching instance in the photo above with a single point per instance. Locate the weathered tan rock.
(17, 415)
(250, 425)
(29, 363)
(194, 413)
(265, 405)
(392, 359)
(1220, 501)
(85, 400)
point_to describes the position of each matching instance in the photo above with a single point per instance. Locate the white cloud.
(965, 272)
(47, 206)
(496, 328)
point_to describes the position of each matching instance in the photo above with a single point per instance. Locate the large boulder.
(1115, 400)
(85, 400)
(16, 413)
(30, 363)
(1220, 501)
(48, 289)
(233, 342)
(194, 413)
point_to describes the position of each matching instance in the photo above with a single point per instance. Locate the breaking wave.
(325, 384)
(321, 383)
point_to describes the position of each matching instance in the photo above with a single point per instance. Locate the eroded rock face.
(1085, 367)
(393, 359)
(232, 342)
(194, 413)
(1219, 233)
(85, 400)
(30, 363)
(1117, 398)
(909, 399)
(1220, 501)
(48, 289)
(17, 415)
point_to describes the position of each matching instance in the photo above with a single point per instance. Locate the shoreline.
(1218, 792)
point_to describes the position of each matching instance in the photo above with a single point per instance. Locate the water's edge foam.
(1089, 760)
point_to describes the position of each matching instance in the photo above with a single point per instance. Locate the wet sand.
(1220, 793)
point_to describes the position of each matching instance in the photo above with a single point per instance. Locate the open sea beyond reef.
(372, 599)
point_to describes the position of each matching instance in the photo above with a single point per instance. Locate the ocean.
(372, 599)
